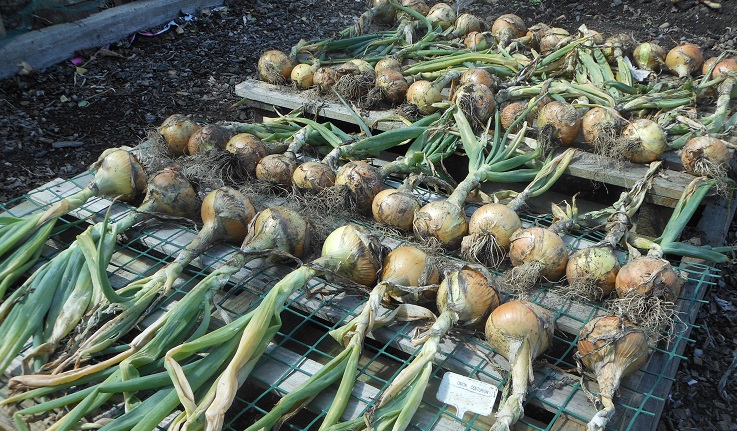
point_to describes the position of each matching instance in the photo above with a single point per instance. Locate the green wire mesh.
(303, 342)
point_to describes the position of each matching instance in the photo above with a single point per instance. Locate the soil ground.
(55, 122)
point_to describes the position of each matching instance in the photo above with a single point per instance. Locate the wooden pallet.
(556, 401)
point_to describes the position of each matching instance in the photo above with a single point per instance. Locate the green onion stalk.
(444, 221)
(55, 297)
(117, 174)
(406, 268)
(464, 298)
(591, 271)
(492, 225)
(647, 286)
(277, 231)
(350, 252)
(225, 213)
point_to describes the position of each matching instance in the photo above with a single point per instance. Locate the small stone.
(150, 118)
(66, 144)
(664, 25)
(698, 353)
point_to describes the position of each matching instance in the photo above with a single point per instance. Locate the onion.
(511, 113)
(249, 150)
(361, 182)
(416, 5)
(520, 331)
(706, 156)
(302, 76)
(645, 141)
(274, 67)
(536, 252)
(536, 33)
(467, 294)
(277, 169)
(465, 24)
(507, 27)
(206, 138)
(612, 348)
(476, 41)
(117, 173)
(324, 78)
(552, 38)
(383, 13)
(314, 176)
(423, 94)
(685, 59)
(592, 272)
(707, 65)
(600, 127)
(395, 207)
(489, 233)
(176, 131)
(618, 45)
(477, 76)
(394, 86)
(476, 101)
(562, 118)
(406, 267)
(387, 63)
(355, 78)
(443, 221)
(728, 66)
(649, 56)
(441, 14)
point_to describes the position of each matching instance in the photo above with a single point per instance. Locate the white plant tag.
(467, 394)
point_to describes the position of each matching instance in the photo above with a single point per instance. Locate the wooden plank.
(666, 191)
(50, 45)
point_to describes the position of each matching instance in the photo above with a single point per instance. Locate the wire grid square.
(306, 314)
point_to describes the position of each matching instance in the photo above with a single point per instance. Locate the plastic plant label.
(467, 394)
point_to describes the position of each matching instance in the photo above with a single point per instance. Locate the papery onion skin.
(383, 12)
(519, 319)
(249, 149)
(409, 266)
(563, 117)
(650, 277)
(703, 148)
(552, 37)
(476, 76)
(387, 63)
(507, 27)
(728, 66)
(274, 67)
(206, 138)
(227, 209)
(511, 113)
(302, 76)
(395, 207)
(169, 192)
(324, 78)
(597, 266)
(467, 23)
(278, 228)
(476, 41)
(496, 219)
(596, 121)
(358, 251)
(467, 293)
(476, 101)
(707, 65)
(313, 175)
(443, 221)
(441, 14)
(685, 59)
(394, 85)
(646, 141)
(118, 173)
(649, 56)
(423, 94)
(277, 169)
(362, 182)
(536, 244)
(176, 131)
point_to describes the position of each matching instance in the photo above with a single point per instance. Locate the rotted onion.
(324, 78)
(685, 59)
(441, 14)
(176, 131)
(476, 101)
(394, 86)
(507, 27)
(705, 156)
(361, 182)
(562, 118)
(465, 24)
(206, 138)
(274, 67)
(313, 175)
(249, 150)
(520, 331)
(423, 94)
(552, 38)
(644, 141)
(649, 56)
(612, 347)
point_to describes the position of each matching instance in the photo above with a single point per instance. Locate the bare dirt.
(54, 122)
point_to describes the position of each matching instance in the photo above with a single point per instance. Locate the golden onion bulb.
(645, 141)
(393, 84)
(467, 23)
(387, 63)
(685, 59)
(476, 101)
(313, 175)
(443, 221)
(249, 149)
(278, 228)
(650, 277)
(169, 192)
(517, 320)
(599, 126)
(702, 155)
(362, 182)
(409, 266)
(507, 27)
(441, 14)
(118, 173)
(302, 76)
(539, 246)
(476, 41)
(228, 212)
(176, 131)
(497, 220)
(206, 138)
(395, 207)
(476, 76)
(649, 56)
(511, 113)
(728, 66)
(276, 169)
(551, 38)
(357, 250)
(467, 293)
(592, 271)
(274, 67)
(423, 94)
(563, 118)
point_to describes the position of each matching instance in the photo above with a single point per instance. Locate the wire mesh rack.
(556, 399)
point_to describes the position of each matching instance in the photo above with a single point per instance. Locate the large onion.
(274, 67)
(206, 138)
(467, 23)
(423, 94)
(507, 27)
(395, 207)
(685, 59)
(361, 182)
(563, 118)
(476, 76)
(552, 38)
(644, 141)
(705, 156)
(649, 56)
(394, 86)
(441, 14)
(249, 150)
(476, 101)
(176, 131)
(313, 175)
(324, 78)
(277, 169)
(302, 76)
(592, 272)
(541, 250)
(490, 230)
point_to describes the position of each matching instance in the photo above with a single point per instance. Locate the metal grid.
(308, 318)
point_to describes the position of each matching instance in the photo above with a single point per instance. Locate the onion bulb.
(552, 38)
(490, 230)
(465, 24)
(728, 66)
(383, 13)
(395, 207)
(360, 182)
(359, 252)
(387, 63)
(520, 331)
(511, 113)
(600, 127)
(418, 6)
(324, 78)
(507, 27)
(467, 294)
(644, 141)
(649, 56)
(313, 175)
(707, 65)
(423, 94)
(227, 212)
(616, 46)
(406, 267)
(249, 150)
(476, 41)
(612, 347)
(274, 67)
(176, 131)
(592, 272)
(277, 169)
(562, 118)
(117, 173)
(443, 221)
(536, 252)
(206, 138)
(393, 85)
(476, 76)
(441, 14)
(705, 156)
(476, 101)
(302, 76)
(685, 59)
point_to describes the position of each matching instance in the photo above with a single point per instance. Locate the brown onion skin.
(592, 121)
(476, 101)
(684, 59)
(648, 276)
(511, 112)
(395, 207)
(407, 266)
(423, 94)
(476, 76)
(313, 175)
(510, 24)
(209, 137)
(176, 131)
(274, 67)
(541, 245)
(728, 66)
(249, 149)
(324, 78)
(476, 41)
(302, 76)
(277, 169)
(363, 183)
(594, 260)
(220, 205)
(394, 85)
(474, 299)
(519, 319)
(642, 153)
(703, 147)
(563, 117)
(649, 56)
(552, 37)
(387, 63)
(443, 221)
